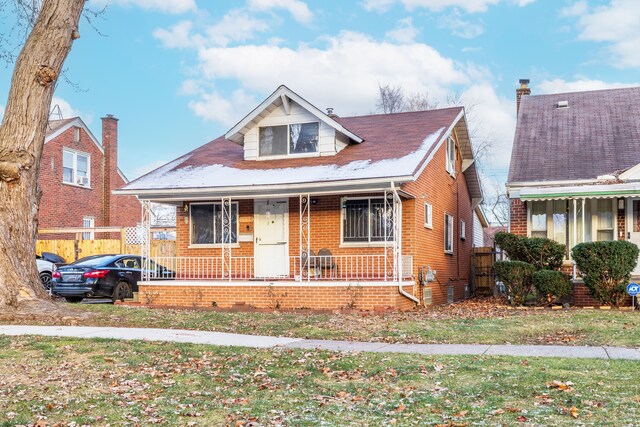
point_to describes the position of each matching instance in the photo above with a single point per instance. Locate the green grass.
(100, 382)
(461, 323)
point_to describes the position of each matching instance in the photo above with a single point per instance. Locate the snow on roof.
(172, 176)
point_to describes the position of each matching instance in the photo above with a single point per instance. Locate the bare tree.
(390, 99)
(22, 133)
(497, 202)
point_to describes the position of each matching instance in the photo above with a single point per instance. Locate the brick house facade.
(359, 273)
(77, 177)
(575, 169)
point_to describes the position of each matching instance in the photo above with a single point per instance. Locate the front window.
(428, 215)
(366, 221)
(448, 233)
(207, 224)
(75, 168)
(282, 140)
(451, 156)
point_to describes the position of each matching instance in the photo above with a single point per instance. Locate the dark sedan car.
(111, 276)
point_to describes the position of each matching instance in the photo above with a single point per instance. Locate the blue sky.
(179, 73)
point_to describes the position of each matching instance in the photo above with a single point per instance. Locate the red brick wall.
(518, 217)
(265, 296)
(65, 205)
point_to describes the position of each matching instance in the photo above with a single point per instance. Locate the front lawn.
(106, 382)
(481, 322)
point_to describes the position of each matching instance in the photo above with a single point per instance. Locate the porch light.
(620, 204)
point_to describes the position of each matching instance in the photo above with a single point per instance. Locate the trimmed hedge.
(551, 285)
(606, 268)
(543, 254)
(516, 276)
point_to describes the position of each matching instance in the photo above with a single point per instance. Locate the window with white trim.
(538, 219)
(448, 233)
(428, 215)
(451, 156)
(207, 224)
(76, 168)
(463, 230)
(297, 138)
(366, 221)
(88, 222)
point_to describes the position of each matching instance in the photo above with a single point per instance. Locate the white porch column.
(575, 223)
(305, 238)
(145, 246)
(393, 251)
(226, 238)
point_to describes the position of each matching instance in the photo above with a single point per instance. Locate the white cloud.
(213, 106)
(67, 111)
(471, 6)
(236, 25)
(461, 27)
(579, 8)
(165, 6)
(579, 85)
(404, 32)
(618, 25)
(177, 36)
(1, 111)
(298, 9)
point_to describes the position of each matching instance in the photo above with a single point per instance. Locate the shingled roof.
(598, 133)
(395, 145)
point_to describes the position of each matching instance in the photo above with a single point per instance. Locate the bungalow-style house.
(296, 208)
(575, 169)
(77, 177)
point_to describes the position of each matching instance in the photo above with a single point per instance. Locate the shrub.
(606, 268)
(542, 253)
(516, 276)
(551, 285)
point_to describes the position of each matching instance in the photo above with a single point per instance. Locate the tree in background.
(52, 27)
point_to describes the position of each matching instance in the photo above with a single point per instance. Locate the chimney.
(110, 146)
(522, 90)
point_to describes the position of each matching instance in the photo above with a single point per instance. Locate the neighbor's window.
(428, 215)
(448, 233)
(207, 224)
(451, 156)
(88, 222)
(463, 230)
(560, 221)
(605, 226)
(538, 219)
(76, 134)
(75, 168)
(288, 139)
(366, 220)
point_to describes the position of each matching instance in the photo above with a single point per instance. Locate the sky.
(180, 73)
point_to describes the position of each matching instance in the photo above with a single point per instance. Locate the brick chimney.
(522, 90)
(110, 145)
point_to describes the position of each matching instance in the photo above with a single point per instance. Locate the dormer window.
(297, 138)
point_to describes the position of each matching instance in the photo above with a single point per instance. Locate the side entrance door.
(633, 226)
(271, 241)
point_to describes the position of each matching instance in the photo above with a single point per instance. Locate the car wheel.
(73, 300)
(121, 291)
(45, 278)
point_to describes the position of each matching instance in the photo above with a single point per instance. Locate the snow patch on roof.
(171, 176)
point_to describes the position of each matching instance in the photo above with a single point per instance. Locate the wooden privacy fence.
(483, 272)
(73, 249)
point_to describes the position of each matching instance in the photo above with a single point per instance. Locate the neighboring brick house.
(575, 169)
(300, 209)
(77, 177)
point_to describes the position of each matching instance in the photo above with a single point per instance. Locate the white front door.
(271, 238)
(633, 226)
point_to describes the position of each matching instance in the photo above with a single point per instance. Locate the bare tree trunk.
(21, 140)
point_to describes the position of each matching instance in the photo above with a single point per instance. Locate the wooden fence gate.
(482, 269)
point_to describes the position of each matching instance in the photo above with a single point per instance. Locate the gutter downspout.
(397, 238)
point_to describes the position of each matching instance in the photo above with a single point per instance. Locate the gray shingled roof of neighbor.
(597, 134)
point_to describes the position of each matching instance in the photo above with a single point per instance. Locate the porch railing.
(335, 267)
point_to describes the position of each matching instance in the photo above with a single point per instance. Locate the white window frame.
(343, 212)
(74, 168)
(88, 222)
(463, 230)
(289, 153)
(451, 155)
(428, 215)
(214, 245)
(449, 222)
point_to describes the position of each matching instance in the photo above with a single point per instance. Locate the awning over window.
(596, 191)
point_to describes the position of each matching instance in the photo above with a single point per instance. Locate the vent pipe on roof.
(562, 104)
(522, 90)
(330, 113)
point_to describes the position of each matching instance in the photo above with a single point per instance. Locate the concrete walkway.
(255, 341)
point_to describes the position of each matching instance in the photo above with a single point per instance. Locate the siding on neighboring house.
(478, 231)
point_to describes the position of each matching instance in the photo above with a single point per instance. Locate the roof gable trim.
(77, 122)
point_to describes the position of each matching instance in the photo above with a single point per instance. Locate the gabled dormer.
(287, 126)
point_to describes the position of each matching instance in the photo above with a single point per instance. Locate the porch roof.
(595, 191)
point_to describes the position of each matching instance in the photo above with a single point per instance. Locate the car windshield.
(92, 261)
